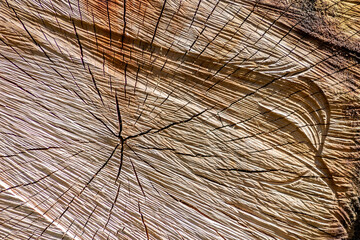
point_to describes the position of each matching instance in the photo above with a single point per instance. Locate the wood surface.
(179, 119)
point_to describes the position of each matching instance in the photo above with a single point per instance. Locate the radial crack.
(105, 163)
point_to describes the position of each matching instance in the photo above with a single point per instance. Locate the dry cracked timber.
(179, 119)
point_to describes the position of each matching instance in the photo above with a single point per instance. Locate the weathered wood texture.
(179, 119)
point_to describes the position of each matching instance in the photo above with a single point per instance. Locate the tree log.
(179, 119)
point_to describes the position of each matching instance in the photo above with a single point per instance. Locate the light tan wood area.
(179, 119)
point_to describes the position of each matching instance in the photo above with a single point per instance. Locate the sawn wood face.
(179, 119)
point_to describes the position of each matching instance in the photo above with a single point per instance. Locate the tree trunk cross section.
(179, 119)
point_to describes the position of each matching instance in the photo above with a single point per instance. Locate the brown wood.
(179, 119)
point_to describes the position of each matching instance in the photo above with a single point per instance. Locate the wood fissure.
(167, 119)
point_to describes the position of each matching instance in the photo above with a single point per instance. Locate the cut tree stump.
(179, 119)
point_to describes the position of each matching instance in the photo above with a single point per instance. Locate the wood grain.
(179, 119)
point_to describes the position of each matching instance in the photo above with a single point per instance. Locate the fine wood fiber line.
(179, 119)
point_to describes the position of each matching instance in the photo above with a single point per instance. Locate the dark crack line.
(283, 12)
(58, 199)
(263, 86)
(190, 206)
(180, 122)
(143, 221)
(22, 70)
(92, 212)
(141, 159)
(46, 228)
(108, 15)
(95, 34)
(81, 19)
(213, 39)
(35, 62)
(93, 237)
(197, 37)
(118, 115)
(138, 135)
(125, 79)
(32, 38)
(88, 183)
(157, 148)
(121, 159)
(136, 78)
(156, 27)
(194, 155)
(166, 127)
(97, 172)
(67, 230)
(112, 132)
(95, 85)
(196, 10)
(29, 149)
(124, 28)
(175, 152)
(217, 36)
(70, 6)
(87, 220)
(247, 17)
(122, 140)
(34, 182)
(236, 55)
(12, 48)
(211, 180)
(112, 205)
(247, 171)
(78, 40)
(137, 177)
